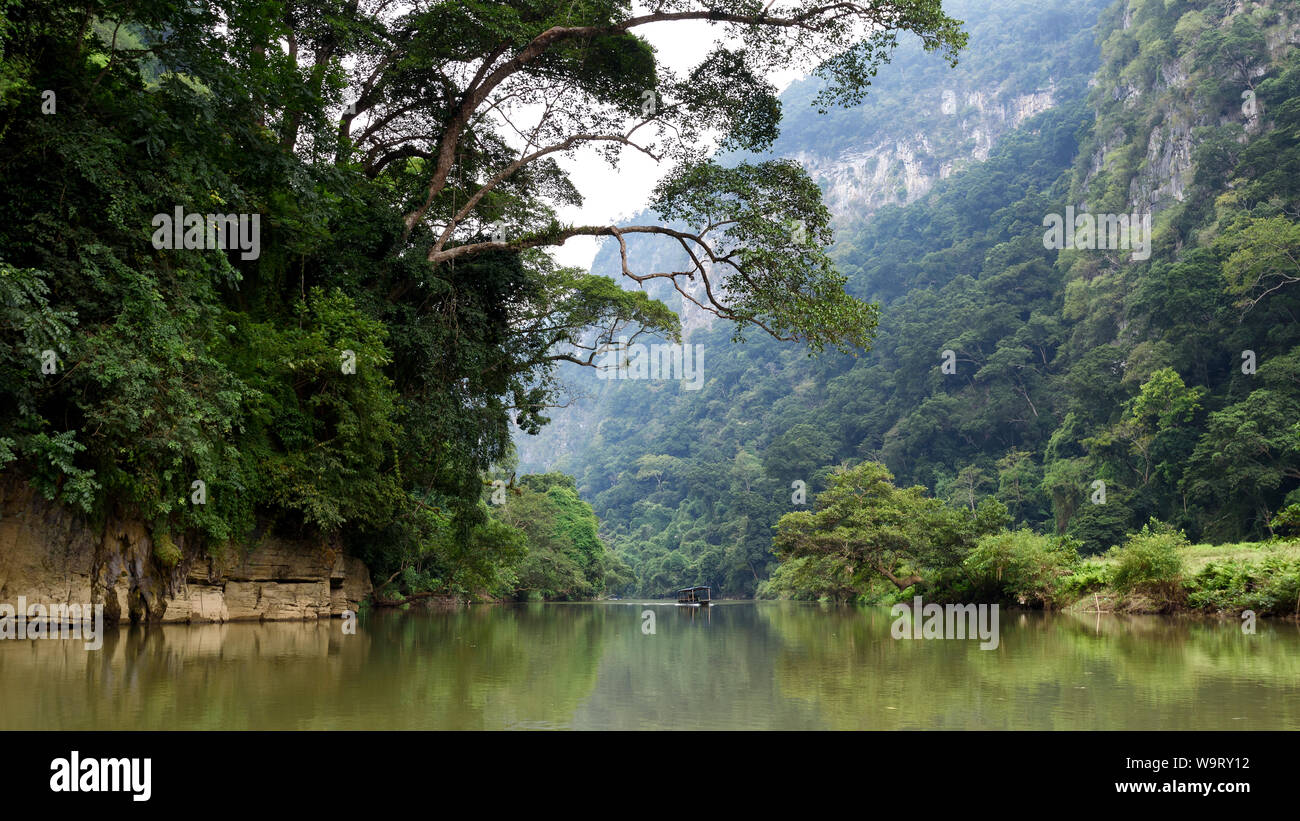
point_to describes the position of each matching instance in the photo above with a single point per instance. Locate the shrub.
(1222, 585)
(1287, 521)
(1268, 587)
(1089, 577)
(1279, 590)
(1150, 562)
(1023, 565)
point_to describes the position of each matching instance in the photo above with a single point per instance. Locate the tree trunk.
(901, 584)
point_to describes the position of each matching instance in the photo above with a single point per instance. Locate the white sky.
(611, 196)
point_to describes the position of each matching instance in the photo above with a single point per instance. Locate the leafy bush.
(1089, 577)
(1024, 566)
(1280, 591)
(1287, 521)
(1271, 586)
(1222, 585)
(1150, 562)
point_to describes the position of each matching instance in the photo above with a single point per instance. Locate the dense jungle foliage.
(356, 368)
(1092, 393)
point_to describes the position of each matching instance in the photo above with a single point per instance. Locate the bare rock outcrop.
(50, 554)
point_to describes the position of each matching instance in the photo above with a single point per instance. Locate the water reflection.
(591, 666)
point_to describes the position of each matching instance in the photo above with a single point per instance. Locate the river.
(737, 665)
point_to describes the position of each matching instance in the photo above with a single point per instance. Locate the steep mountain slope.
(923, 121)
(1005, 367)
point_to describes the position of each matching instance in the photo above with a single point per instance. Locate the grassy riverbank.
(1225, 579)
(872, 542)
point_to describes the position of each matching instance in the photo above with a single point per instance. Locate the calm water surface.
(589, 666)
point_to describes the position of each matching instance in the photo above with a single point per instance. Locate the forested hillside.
(282, 266)
(1087, 390)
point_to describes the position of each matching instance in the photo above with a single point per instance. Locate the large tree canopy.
(486, 95)
(360, 370)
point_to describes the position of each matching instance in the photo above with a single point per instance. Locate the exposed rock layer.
(51, 555)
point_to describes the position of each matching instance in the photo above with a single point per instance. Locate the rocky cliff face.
(50, 555)
(1173, 115)
(901, 169)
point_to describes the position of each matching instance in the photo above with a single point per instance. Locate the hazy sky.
(612, 196)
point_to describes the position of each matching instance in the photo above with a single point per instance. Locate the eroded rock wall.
(49, 554)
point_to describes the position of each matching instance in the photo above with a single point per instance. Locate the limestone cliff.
(922, 122)
(51, 555)
(1153, 113)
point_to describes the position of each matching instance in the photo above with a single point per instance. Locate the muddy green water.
(591, 666)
